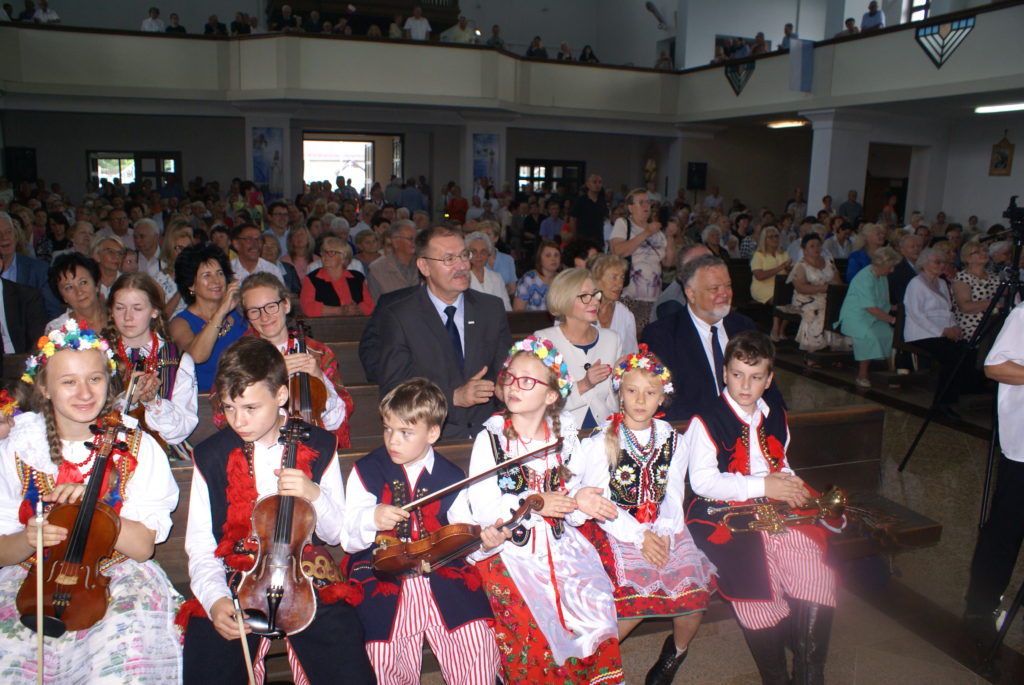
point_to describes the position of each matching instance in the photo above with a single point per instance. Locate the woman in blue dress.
(865, 316)
(532, 289)
(211, 321)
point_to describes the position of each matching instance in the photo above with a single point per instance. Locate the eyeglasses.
(334, 253)
(477, 253)
(585, 298)
(270, 308)
(451, 260)
(113, 251)
(524, 382)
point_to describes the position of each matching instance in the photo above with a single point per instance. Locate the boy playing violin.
(233, 469)
(447, 606)
(737, 447)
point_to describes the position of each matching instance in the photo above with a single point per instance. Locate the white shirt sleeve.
(671, 514)
(205, 571)
(334, 408)
(330, 505)
(596, 474)
(705, 478)
(486, 501)
(460, 512)
(176, 418)
(151, 494)
(359, 507)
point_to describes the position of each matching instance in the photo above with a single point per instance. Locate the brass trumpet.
(774, 517)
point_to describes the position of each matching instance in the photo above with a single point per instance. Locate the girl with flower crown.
(639, 463)
(552, 602)
(47, 457)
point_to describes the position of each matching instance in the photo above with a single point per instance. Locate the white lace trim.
(570, 433)
(27, 442)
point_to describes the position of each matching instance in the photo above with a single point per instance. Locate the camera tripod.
(1009, 292)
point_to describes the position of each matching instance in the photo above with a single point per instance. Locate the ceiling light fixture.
(994, 109)
(789, 123)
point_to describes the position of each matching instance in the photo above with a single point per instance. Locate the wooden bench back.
(841, 447)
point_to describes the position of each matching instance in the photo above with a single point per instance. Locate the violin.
(139, 412)
(451, 542)
(307, 394)
(276, 596)
(75, 593)
(443, 546)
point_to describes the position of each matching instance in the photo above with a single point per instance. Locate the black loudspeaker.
(20, 164)
(696, 175)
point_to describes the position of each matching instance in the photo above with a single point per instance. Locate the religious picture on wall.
(268, 161)
(486, 156)
(1002, 158)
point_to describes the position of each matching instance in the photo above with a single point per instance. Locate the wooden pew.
(841, 447)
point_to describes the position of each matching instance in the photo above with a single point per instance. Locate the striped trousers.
(797, 568)
(468, 655)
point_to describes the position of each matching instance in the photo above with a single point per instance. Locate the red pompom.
(350, 593)
(25, 512)
(189, 609)
(721, 535)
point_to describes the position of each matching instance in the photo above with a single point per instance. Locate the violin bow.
(39, 591)
(557, 445)
(244, 640)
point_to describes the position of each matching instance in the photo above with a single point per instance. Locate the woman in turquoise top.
(532, 288)
(865, 314)
(211, 321)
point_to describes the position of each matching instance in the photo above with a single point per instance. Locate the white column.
(839, 156)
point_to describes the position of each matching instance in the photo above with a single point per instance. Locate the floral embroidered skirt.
(630, 602)
(136, 642)
(525, 655)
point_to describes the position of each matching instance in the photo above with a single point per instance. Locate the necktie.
(453, 333)
(718, 358)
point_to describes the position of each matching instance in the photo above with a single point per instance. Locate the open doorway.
(888, 174)
(361, 159)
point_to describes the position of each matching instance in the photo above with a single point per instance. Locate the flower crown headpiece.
(67, 337)
(645, 361)
(8, 405)
(545, 351)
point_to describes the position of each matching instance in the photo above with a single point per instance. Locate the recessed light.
(794, 123)
(994, 109)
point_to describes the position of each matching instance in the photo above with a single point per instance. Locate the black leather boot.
(664, 669)
(811, 625)
(768, 647)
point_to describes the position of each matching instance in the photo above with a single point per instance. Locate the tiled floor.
(872, 645)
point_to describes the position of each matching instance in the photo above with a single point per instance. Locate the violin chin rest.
(52, 626)
(260, 624)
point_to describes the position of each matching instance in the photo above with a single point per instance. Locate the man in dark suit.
(909, 247)
(369, 341)
(685, 341)
(443, 331)
(23, 269)
(23, 317)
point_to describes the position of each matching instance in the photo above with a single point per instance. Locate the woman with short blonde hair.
(609, 273)
(589, 350)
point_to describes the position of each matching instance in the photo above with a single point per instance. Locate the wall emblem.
(940, 41)
(738, 75)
